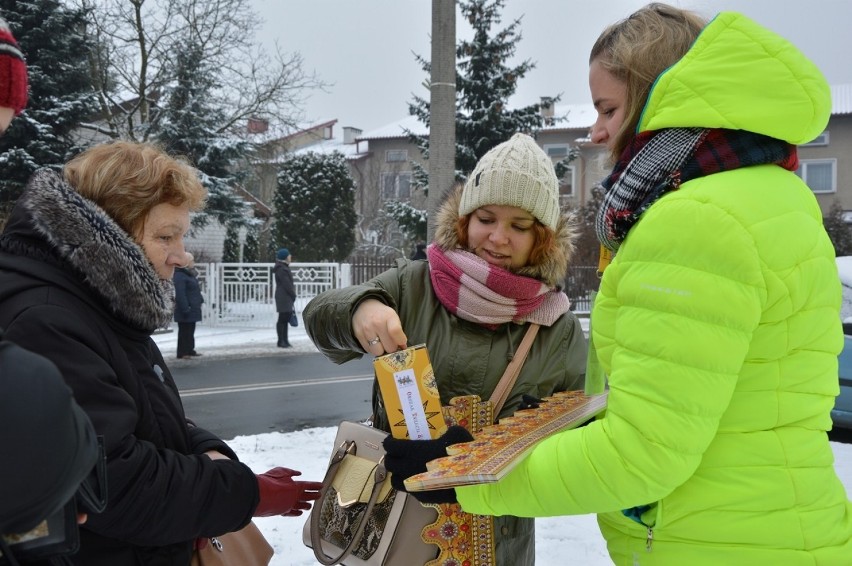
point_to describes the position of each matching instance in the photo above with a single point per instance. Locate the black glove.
(529, 402)
(406, 458)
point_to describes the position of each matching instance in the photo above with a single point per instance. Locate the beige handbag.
(359, 519)
(245, 547)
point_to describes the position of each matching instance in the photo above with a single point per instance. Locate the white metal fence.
(243, 294)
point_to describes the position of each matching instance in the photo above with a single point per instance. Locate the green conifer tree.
(315, 207)
(60, 94)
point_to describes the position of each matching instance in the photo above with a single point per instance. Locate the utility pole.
(442, 104)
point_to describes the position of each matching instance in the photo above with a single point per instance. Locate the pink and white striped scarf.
(473, 289)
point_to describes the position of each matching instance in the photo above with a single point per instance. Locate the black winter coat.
(285, 290)
(47, 443)
(188, 298)
(75, 288)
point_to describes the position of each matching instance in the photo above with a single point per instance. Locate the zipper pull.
(650, 540)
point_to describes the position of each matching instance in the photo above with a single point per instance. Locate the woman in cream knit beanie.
(515, 173)
(494, 272)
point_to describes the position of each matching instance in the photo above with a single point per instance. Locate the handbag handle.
(347, 447)
(510, 376)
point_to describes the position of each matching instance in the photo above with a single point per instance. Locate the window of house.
(556, 151)
(396, 155)
(396, 186)
(820, 140)
(566, 185)
(819, 174)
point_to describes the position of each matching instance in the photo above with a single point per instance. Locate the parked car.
(842, 412)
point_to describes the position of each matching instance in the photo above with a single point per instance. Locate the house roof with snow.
(323, 137)
(340, 142)
(398, 129)
(573, 117)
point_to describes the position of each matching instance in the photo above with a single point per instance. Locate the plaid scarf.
(474, 290)
(657, 162)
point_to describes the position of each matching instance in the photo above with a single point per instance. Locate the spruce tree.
(484, 84)
(315, 207)
(838, 230)
(60, 94)
(485, 81)
(191, 127)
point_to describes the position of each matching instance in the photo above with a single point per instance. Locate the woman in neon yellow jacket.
(717, 322)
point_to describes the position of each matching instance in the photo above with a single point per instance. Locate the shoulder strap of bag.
(316, 541)
(510, 376)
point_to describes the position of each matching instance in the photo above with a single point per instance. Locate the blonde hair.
(637, 50)
(128, 179)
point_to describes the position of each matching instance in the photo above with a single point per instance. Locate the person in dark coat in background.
(285, 295)
(86, 264)
(47, 442)
(419, 251)
(188, 301)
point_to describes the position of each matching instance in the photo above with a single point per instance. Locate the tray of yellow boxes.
(497, 448)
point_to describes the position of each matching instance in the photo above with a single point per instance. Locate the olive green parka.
(468, 359)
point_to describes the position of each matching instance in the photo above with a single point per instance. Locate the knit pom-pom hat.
(515, 173)
(13, 71)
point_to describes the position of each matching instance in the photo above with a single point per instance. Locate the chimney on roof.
(546, 110)
(350, 133)
(257, 125)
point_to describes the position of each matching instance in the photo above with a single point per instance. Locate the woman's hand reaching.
(377, 328)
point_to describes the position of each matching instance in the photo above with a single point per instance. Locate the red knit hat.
(13, 71)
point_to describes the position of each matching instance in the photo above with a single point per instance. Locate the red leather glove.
(280, 495)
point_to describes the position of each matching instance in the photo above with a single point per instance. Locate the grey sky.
(365, 47)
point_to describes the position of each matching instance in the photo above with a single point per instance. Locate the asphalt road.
(234, 397)
(244, 396)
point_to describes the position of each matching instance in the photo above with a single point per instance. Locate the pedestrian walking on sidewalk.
(285, 295)
(188, 301)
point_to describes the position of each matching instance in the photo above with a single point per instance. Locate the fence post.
(344, 275)
(213, 295)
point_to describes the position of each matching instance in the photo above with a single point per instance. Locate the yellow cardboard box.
(410, 394)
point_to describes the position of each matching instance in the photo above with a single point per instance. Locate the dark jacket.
(48, 443)
(75, 288)
(188, 297)
(285, 290)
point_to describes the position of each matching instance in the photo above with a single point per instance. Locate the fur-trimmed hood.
(552, 271)
(83, 236)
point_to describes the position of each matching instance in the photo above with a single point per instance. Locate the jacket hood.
(739, 75)
(83, 236)
(554, 268)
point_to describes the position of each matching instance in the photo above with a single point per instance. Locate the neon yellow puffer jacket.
(718, 325)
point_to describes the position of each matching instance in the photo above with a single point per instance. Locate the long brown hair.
(637, 50)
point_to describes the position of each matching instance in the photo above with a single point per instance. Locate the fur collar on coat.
(552, 271)
(85, 237)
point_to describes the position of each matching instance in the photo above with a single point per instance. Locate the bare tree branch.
(133, 63)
